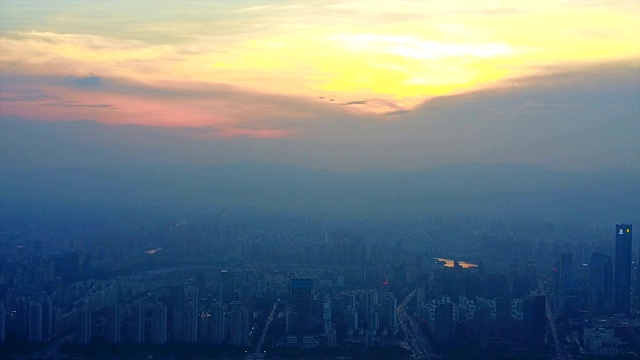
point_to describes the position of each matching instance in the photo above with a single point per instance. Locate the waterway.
(463, 264)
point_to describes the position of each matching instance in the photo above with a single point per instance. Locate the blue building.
(622, 281)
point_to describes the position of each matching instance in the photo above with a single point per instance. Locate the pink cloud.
(231, 113)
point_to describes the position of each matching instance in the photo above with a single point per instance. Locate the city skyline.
(330, 179)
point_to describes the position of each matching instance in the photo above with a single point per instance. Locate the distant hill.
(488, 190)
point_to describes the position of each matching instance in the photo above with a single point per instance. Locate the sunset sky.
(335, 79)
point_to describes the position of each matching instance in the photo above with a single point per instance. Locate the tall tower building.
(326, 316)
(35, 322)
(113, 330)
(388, 314)
(136, 325)
(84, 325)
(238, 317)
(218, 322)
(622, 281)
(566, 280)
(534, 308)
(47, 318)
(159, 324)
(301, 301)
(601, 283)
(190, 323)
(2, 324)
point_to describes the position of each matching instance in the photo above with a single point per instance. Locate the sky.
(339, 85)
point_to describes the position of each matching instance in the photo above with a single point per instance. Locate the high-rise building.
(227, 287)
(566, 280)
(504, 318)
(622, 280)
(22, 315)
(35, 322)
(326, 316)
(47, 318)
(83, 335)
(113, 324)
(218, 322)
(601, 283)
(444, 324)
(238, 331)
(136, 325)
(533, 317)
(301, 301)
(158, 324)
(388, 314)
(190, 323)
(200, 282)
(2, 324)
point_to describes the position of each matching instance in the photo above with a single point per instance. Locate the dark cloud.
(357, 102)
(397, 113)
(76, 105)
(88, 82)
(29, 95)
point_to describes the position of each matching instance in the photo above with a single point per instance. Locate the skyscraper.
(35, 322)
(301, 298)
(2, 324)
(218, 323)
(601, 283)
(566, 280)
(533, 317)
(83, 335)
(47, 318)
(190, 323)
(622, 282)
(159, 324)
(114, 322)
(136, 325)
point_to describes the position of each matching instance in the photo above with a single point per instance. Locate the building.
(238, 329)
(83, 336)
(218, 323)
(136, 324)
(622, 280)
(326, 316)
(445, 326)
(566, 280)
(35, 322)
(534, 319)
(3, 334)
(158, 328)
(47, 318)
(388, 314)
(190, 323)
(301, 303)
(601, 284)
(113, 325)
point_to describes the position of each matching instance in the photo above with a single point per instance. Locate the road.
(560, 350)
(258, 354)
(417, 341)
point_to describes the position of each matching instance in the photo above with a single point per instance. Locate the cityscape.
(256, 286)
(319, 180)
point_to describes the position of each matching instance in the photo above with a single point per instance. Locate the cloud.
(88, 82)
(578, 119)
(356, 102)
(397, 113)
(88, 106)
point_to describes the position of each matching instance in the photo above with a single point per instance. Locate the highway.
(419, 344)
(258, 353)
(560, 351)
